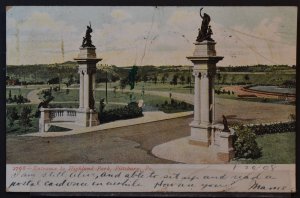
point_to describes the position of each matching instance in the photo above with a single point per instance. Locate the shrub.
(25, 117)
(245, 143)
(175, 106)
(12, 115)
(132, 110)
(273, 128)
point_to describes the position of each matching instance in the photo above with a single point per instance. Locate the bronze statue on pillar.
(205, 32)
(87, 40)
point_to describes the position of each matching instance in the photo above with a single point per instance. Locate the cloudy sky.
(125, 36)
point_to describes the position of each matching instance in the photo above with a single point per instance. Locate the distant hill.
(41, 73)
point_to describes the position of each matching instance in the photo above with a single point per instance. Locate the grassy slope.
(277, 149)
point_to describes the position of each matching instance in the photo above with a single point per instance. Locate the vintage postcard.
(150, 99)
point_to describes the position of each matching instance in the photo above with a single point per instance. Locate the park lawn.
(277, 148)
(119, 97)
(16, 129)
(62, 96)
(16, 91)
(150, 86)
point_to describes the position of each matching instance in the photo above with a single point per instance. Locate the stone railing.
(49, 115)
(62, 114)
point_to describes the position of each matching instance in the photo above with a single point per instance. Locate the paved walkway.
(148, 117)
(124, 145)
(33, 96)
(180, 150)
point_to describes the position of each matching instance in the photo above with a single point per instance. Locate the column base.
(200, 135)
(226, 157)
(86, 117)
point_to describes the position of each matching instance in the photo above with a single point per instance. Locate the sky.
(126, 36)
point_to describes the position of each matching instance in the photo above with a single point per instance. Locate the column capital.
(203, 74)
(197, 74)
(82, 71)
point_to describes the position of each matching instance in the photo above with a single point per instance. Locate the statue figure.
(209, 33)
(205, 32)
(226, 128)
(87, 41)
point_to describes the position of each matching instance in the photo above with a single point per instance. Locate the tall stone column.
(81, 94)
(94, 83)
(204, 60)
(86, 114)
(86, 90)
(197, 112)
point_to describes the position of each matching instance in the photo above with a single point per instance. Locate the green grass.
(264, 78)
(277, 148)
(150, 86)
(62, 96)
(119, 97)
(16, 91)
(16, 129)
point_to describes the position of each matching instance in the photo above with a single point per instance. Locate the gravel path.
(33, 96)
(121, 145)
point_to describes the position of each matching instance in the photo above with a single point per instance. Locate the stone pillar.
(87, 61)
(86, 90)
(44, 120)
(94, 84)
(197, 112)
(81, 91)
(205, 100)
(204, 59)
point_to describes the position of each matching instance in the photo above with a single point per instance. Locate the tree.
(123, 83)
(247, 78)
(9, 95)
(145, 78)
(188, 80)
(219, 77)
(20, 99)
(101, 106)
(47, 93)
(54, 81)
(174, 79)
(12, 115)
(155, 78)
(10, 100)
(224, 78)
(163, 79)
(15, 99)
(25, 118)
(182, 79)
(115, 90)
(132, 76)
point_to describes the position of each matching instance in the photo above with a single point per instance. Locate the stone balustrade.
(61, 114)
(49, 115)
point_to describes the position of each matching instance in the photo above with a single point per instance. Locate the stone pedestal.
(204, 59)
(85, 117)
(87, 60)
(44, 120)
(225, 149)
